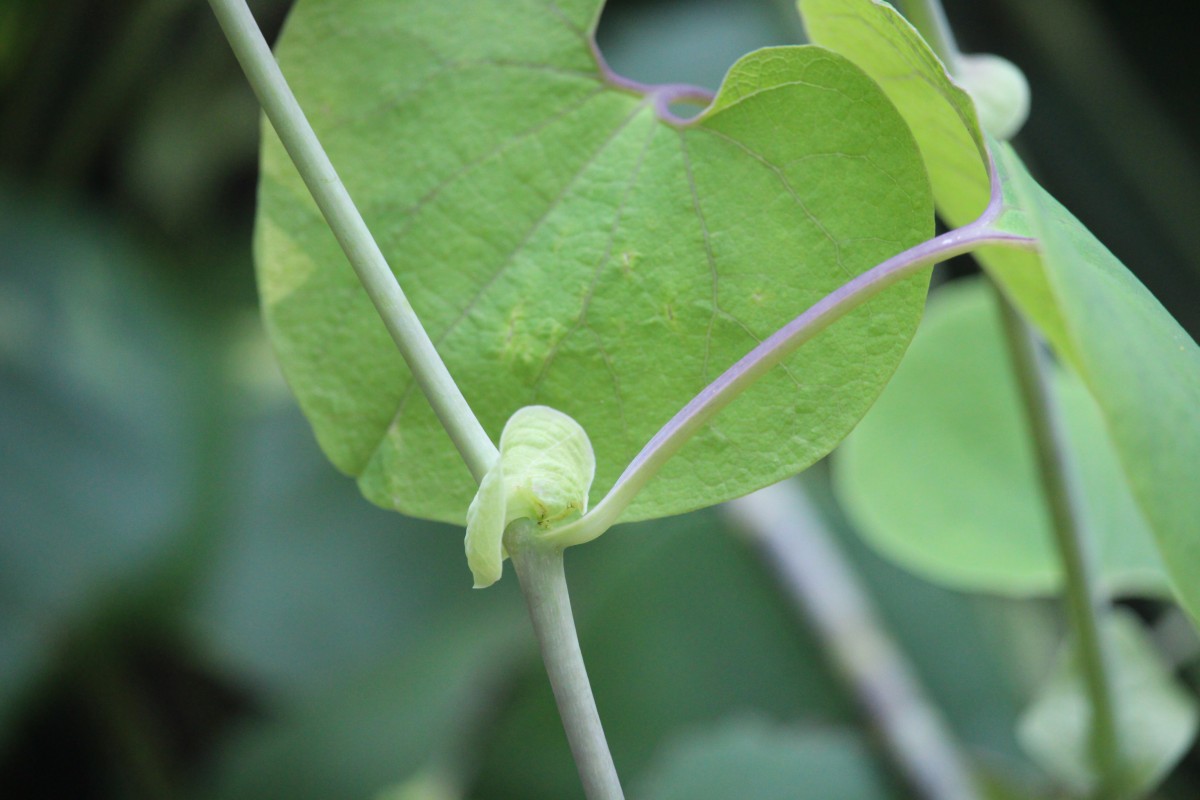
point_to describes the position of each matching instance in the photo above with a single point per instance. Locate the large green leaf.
(753, 759)
(942, 477)
(1156, 716)
(1141, 367)
(567, 246)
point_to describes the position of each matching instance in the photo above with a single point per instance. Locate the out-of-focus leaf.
(941, 475)
(1155, 716)
(311, 583)
(765, 762)
(565, 245)
(356, 740)
(98, 403)
(696, 43)
(428, 785)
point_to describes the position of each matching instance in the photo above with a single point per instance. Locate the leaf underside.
(565, 246)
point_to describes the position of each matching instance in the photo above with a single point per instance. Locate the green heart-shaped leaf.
(942, 477)
(567, 242)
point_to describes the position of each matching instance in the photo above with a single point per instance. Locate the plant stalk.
(539, 568)
(286, 116)
(783, 523)
(1085, 599)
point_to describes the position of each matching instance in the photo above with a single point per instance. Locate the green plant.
(555, 219)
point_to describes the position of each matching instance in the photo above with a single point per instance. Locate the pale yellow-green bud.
(544, 472)
(1000, 92)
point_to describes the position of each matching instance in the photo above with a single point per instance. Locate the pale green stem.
(284, 112)
(539, 567)
(1085, 598)
(928, 17)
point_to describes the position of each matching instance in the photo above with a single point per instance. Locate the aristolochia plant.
(602, 276)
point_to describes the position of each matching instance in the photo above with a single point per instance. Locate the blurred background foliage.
(194, 604)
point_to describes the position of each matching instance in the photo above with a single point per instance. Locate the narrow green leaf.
(566, 246)
(941, 475)
(1142, 368)
(754, 759)
(1156, 717)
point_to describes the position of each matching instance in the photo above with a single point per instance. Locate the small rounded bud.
(1000, 92)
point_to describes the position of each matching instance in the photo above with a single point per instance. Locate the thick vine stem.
(1085, 599)
(286, 116)
(539, 568)
(795, 543)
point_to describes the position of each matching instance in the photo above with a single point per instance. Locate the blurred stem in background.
(787, 529)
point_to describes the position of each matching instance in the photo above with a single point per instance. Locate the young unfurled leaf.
(566, 246)
(1156, 717)
(548, 465)
(486, 518)
(544, 471)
